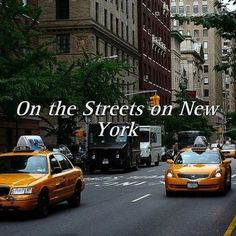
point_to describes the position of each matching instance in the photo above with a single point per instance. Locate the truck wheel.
(91, 170)
(148, 161)
(158, 160)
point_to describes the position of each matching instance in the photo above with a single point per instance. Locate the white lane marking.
(233, 175)
(162, 182)
(147, 195)
(151, 170)
(141, 183)
(126, 183)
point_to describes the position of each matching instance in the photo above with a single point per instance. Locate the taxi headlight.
(117, 155)
(169, 174)
(218, 174)
(93, 156)
(22, 191)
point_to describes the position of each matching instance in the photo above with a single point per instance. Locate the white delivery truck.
(150, 144)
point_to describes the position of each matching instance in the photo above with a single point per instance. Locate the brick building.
(155, 48)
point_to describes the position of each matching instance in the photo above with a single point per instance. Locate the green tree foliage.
(224, 20)
(26, 66)
(30, 72)
(176, 123)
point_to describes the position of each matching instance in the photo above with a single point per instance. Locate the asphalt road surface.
(134, 203)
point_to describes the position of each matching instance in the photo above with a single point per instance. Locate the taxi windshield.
(23, 164)
(198, 158)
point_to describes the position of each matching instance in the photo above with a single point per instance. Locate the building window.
(206, 93)
(133, 12)
(173, 9)
(97, 46)
(122, 30)
(62, 9)
(181, 10)
(117, 26)
(106, 49)
(127, 33)
(122, 5)
(206, 81)
(105, 17)
(204, 9)
(205, 56)
(97, 12)
(195, 9)
(111, 22)
(205, 68)
(117, 5)
(205, 32)
(63, 43)
(196, 33)
(205, 44)
(133, 38)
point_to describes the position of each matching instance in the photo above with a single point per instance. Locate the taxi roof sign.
(34, 142)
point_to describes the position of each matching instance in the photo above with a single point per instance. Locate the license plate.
(105, 162)
(192, 185)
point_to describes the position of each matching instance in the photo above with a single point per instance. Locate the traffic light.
(155, 100)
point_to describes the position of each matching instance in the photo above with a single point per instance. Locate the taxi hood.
(195, 168)
(15, 180)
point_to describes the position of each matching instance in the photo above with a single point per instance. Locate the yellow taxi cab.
(229, 150)
(198, 169)
(32, 179)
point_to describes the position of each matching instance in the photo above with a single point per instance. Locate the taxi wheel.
(74, 200)
(169, 193)
(42, 209)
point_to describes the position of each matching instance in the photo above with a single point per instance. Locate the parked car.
(32, 178)
(229, 150)
(198, 169)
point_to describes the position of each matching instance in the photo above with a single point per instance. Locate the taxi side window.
(65, 164)
(53, 162)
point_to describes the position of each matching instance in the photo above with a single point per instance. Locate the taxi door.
(57, 181)
(69, 174)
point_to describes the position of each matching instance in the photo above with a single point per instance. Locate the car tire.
(74, 200)
(42, 209)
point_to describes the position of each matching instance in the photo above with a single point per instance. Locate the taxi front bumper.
(21, 202)
(208, 184)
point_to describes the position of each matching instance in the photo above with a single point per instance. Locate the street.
(133, 203)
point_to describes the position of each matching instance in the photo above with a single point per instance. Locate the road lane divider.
(144, 182)
(138, 199)
(231, 227)
(233, 175)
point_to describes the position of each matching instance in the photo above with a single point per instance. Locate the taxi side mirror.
(56, 170)
(227, 161)
(170, 161)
